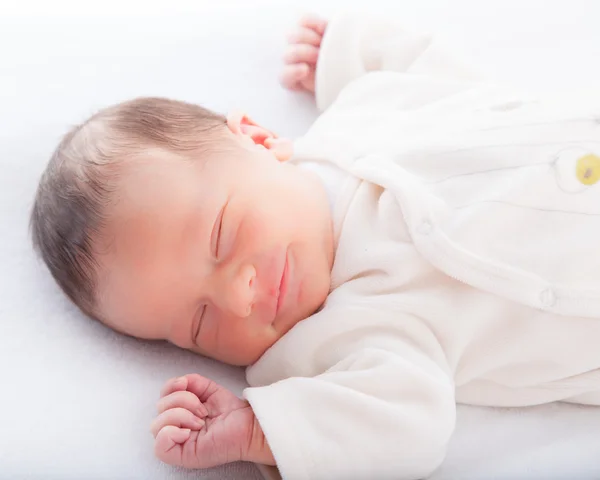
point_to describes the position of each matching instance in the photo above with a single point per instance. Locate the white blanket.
(77, 398)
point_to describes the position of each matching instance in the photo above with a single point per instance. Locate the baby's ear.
(241, 124)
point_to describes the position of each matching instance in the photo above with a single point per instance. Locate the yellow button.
(588, 169)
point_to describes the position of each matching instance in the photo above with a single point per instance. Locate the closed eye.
(216, 233)
(198, 324)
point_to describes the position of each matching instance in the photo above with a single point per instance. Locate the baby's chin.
(247, 353)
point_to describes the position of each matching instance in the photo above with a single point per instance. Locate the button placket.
(425, 227)
(548, 297)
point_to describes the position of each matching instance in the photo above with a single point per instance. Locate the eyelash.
(219, 236)
(200, 318)
(217, 244)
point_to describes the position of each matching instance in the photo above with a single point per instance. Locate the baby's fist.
(302, 53)
(201, 424)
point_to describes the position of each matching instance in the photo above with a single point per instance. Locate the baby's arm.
(380, 403)
(325, 57)
(201, 424)
(383, 409)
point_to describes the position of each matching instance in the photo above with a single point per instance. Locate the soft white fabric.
(464, 267)
(77, 398)
(330, 175)
(491, 172)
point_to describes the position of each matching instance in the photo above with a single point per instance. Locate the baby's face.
(221, 257)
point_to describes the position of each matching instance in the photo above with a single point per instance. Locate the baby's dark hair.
(71, 204)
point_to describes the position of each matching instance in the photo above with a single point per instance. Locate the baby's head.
(167, 221)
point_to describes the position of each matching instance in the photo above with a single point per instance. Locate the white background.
(76, 398)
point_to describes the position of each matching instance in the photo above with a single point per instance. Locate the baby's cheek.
(265, 227)
(239, 342)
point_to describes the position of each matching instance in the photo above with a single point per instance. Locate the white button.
(548, 297)
(425, 228)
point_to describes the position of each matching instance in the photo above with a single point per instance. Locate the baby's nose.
(242, 291)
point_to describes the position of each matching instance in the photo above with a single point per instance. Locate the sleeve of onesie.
(355, 44)
(384, 410)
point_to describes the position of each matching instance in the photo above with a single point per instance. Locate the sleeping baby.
(431, 240)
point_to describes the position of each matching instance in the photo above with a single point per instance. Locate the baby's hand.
(201, 424)
(302, 54)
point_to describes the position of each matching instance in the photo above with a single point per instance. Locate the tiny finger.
(308, 83)
(315, 23)
(293, 74)
(174, 385)
(169, 442)
(305, 35)
(187, 400)
(201, 386)
(301, 54)
(179, 417)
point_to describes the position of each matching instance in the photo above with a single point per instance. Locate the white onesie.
(466, 269)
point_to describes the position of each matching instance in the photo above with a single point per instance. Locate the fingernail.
(198, 422)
